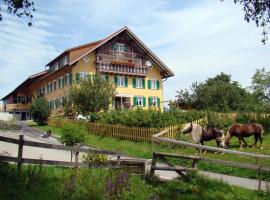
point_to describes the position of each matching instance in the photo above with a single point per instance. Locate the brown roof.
(29, 80)
(79, 52)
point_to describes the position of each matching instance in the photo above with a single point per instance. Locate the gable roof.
(29, 80)
(79, 52)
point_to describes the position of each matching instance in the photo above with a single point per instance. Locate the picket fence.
(124, 132)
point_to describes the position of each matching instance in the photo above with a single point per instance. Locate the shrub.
(9, 125)
(40, 111)
(71, 135)
(93, 158)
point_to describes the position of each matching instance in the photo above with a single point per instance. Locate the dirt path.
(32, 134)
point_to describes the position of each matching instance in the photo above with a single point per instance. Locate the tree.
(257, 11)
(261, 85)
(40, 110)
(19, 8)
(91, 95)
(71, 135)
(219, 94)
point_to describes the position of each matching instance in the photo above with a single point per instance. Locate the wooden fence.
(124, 132)
(159, 138)
(131, 165)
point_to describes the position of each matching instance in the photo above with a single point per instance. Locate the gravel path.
(32, 134)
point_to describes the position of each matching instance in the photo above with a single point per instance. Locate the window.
(56, 65)
(65, 60)
(139, 101)
(68, 80)
(139, 82)
(120, 47)
(121, 81)
(153, 84)
(48, 88)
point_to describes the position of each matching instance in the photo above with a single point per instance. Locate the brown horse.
(244, 130)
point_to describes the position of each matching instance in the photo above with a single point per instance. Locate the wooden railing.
(124, 132)
(132, 163)
(17, 106)
(160, 138)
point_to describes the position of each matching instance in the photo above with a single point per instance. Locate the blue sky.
(197, 39)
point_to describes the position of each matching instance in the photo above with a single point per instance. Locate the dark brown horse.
(199, 134)
(244, 130)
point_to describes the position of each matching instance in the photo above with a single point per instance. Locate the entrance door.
(23, 116)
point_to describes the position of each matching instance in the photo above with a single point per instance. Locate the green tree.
(40, 110)
(91, 95)
(219, 94)
(261, 85)
(19, 8)
(71, 135)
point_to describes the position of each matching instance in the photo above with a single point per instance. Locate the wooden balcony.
(122, 69)
(17, 106)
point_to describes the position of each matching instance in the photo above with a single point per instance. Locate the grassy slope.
(144, 150)
(52, 183)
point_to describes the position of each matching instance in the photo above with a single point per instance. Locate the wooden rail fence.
(124, 132)
(131, 165)
(257, 166)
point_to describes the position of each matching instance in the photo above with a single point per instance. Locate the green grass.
(53, 183)
(145, 149)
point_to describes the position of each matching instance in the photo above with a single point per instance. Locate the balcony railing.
(122, 69)
(17, 106)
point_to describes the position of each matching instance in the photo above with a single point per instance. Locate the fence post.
(77, 151)
(20, 152)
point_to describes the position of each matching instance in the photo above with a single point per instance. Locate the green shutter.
(89, 76)
(158, 102)
(106, 77)
(125, 48)
(54, 85)
(143, 83)
(77, 77)
(144, 101)
(134, 101)
(149, 84)
(134, 82)
(149, 102)
(70, 78)
(59, 83)
(158, 85)
(126, 81)
(116, 80)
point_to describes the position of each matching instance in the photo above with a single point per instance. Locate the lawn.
(53, 183)
(145, 149)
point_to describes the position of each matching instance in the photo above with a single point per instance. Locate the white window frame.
(84, 75)
(154, 102)
(153, 84)
(139, 101)
(120, 47)
(139, 82)
(65, 60)
(121, 81)
(67, 77)
(56, 65)
(61, 82)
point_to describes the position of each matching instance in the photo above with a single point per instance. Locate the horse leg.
(244, 141)
(255, 142)
(240, 143)
(261, 140)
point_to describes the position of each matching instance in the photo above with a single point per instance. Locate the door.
(23, 116)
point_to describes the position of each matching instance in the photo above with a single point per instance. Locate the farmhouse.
(122, 58)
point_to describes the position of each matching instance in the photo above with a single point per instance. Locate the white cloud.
(196, 40)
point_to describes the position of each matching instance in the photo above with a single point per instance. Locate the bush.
(40, 111)
(146, 118)
(93, 158)
(9, 125)
(222, 122)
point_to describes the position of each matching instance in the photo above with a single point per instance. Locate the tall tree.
(20, 8)
(219, 94)
(259, 12)
(91, 95)
(261, 85)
